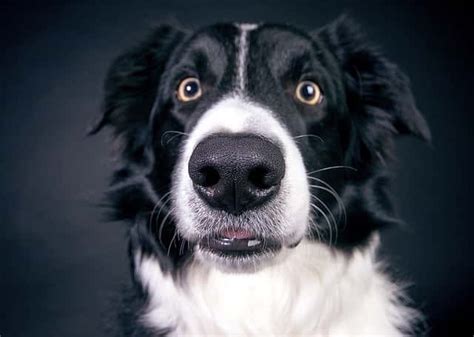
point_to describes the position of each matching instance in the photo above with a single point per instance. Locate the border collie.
(253, 167)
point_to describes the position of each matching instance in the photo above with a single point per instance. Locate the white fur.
(314, 291)
(243, 51)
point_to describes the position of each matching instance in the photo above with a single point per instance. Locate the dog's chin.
(238, 261)
(244, 253)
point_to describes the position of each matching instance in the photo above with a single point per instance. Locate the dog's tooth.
(252, 243)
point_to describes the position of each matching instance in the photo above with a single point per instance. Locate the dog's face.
(240, 140)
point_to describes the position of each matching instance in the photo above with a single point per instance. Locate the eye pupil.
(307, 91)
(191, 88)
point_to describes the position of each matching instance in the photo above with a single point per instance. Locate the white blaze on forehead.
(243, 48)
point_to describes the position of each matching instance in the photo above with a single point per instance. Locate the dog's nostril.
(209, 176)
(260, 177)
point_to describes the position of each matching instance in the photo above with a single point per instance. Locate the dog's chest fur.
(315, 291)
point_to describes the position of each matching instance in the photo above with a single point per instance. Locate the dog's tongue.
(239, 234)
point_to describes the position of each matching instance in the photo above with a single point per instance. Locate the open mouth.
(238, 243)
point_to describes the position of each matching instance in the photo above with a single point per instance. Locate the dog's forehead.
(266, 39)
(278, 35)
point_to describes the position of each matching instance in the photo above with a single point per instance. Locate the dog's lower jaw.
(311, 291)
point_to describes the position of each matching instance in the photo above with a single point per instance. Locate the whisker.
(327, 220)
(157, 225)
(174, 133)
(310, 136)
(333, 168)
(331, 215)
(181, 247)
(341, 206)
(163, 206)
(333, 192)
(157, 204)
(315, 226)
(160, 233)
(171, 243)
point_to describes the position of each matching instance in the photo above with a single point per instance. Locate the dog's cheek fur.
(130, 92)
(380, 106)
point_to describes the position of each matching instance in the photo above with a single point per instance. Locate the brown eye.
(189, 89)
(309, 93)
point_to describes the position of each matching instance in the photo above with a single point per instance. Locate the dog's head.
(237, 141)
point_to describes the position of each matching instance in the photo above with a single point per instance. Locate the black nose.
(236, 172)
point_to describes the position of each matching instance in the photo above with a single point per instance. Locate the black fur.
(367, 103)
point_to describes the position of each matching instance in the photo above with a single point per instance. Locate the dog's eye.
(309, 93)
(189, 89)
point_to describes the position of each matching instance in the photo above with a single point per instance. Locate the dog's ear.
(377, 91)
(131, 86)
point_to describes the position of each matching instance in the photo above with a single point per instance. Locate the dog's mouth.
(238, 243)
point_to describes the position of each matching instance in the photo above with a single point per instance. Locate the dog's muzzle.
(236, 173)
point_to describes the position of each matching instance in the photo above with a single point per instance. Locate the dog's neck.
(313, 290)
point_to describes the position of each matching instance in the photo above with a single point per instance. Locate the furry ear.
(131, 86)
(377, 91)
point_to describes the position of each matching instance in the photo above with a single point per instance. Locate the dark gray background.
(60, 263)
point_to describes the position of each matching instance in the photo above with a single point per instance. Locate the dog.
(253, 169)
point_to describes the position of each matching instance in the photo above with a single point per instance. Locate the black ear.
(376, 89)
(131, 86)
